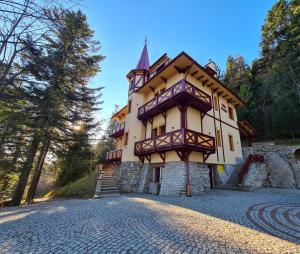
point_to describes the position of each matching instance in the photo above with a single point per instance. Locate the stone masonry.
(129, 176)
(283, 167)
(174, 178)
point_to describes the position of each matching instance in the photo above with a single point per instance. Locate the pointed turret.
(138, 76)
(143, 64)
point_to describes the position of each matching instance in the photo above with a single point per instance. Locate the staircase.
(235, 181)
(107, 186)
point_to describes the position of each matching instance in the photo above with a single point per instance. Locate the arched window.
(297, 154)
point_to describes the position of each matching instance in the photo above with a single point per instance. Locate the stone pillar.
(173, 181)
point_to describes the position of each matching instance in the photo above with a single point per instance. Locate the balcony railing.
(182, 139)
(115, 155)
(181, 92)
(117, 130)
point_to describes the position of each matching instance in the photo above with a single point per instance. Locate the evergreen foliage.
(271, 86)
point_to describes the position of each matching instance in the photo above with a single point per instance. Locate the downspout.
(187, 169)
(186, 154)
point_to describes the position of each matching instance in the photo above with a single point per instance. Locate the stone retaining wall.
(281, 165)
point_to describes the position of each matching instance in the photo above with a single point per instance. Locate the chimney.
(211, 68)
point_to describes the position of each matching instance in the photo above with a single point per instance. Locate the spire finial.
(143, 63)
(146, 41)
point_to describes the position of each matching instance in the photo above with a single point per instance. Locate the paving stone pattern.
(218, 222)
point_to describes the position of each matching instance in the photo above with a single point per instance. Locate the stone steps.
(107, 187)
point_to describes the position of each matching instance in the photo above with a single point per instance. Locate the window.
(230, 112)
(231, 145)
(129, 106)
(154, 132)
(219, 142)
(156, 174)
(125, 139)
(162, 129)
(216, 103)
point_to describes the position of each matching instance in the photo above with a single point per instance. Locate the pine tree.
(59, 94)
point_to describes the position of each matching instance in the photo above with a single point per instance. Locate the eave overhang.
(120, 114)
(184, 64)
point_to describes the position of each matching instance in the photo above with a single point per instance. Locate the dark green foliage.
(76, 162)
(271, 87)
(51, 99)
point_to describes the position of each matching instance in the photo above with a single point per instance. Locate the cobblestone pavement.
(217, 222)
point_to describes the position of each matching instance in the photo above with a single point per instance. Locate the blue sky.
(204, 29)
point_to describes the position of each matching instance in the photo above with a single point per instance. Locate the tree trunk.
(37, 172)
(25, 171)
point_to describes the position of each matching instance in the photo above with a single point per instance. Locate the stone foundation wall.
(283, 168)
(137, 177)
(129, 175)
(174, 178)
(199, 178)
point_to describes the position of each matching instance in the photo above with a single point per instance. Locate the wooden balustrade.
(182, 139)
(181, 92)
(115, 155)
(117, 130)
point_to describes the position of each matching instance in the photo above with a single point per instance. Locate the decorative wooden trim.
(205, 156)
(182, 92)
(114, 156)
(210, 85)
(181, 70)
(148, 157)
(117, 131)
(215, 128)
(151, 121)
(204, 82)
(193, 74)
(181, 140)
(162, 156)
(200, 77)
(221, 130)
(164, 79)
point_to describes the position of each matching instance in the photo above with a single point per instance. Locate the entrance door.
(211, 176)
(156, 174)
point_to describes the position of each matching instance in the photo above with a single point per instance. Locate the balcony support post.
(187, 169)
(162, 156)
(183, 110)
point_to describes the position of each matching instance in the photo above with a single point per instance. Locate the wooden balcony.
(182, 92)
(179, 140)
(114, 156)
(117, 131)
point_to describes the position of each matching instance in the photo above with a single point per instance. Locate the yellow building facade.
(178, 130)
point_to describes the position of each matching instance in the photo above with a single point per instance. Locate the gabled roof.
(187, 64)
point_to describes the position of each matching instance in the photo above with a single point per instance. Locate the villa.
(178, 130)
